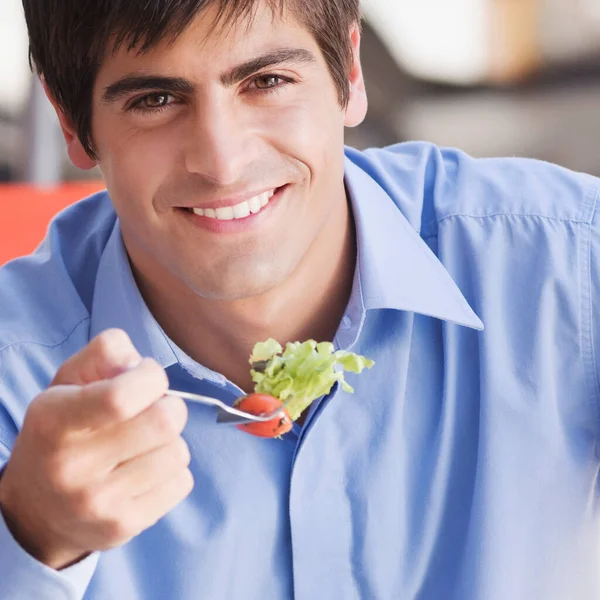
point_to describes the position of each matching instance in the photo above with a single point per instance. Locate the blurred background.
(492, 77)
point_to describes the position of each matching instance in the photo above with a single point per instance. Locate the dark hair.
(68, 39)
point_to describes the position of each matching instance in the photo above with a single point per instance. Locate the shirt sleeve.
(22, 577)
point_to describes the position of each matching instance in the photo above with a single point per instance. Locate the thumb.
(109, 354)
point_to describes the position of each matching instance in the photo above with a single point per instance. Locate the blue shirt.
(464, 467)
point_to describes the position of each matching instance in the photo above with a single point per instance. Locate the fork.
(228, 415)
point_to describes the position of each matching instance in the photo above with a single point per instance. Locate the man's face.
(227, 167)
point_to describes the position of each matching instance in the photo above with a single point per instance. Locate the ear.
(75, 149)
(357, 105)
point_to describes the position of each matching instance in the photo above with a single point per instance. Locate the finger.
(159, 425)
(146, 472)
(110, 353)
(119, 515)
(154, 504)
(105, 403)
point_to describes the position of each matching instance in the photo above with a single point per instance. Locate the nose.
(222, 142)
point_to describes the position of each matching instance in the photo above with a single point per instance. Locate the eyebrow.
(298, 56)
(139, 83)
(178, 85)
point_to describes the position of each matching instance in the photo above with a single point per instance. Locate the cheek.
(309, 132)
(135, 163)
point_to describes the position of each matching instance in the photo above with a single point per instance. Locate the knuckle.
(113, 348)
(187, 483)
(110, 342)
(177, 410)
(39, 421)
(164, 425)
(44, 422)
(62, 372)
(60, 476)
(154, 370)
(115, 402)
(117, 531)
(182, 452)
(181, 487)
(87, 504)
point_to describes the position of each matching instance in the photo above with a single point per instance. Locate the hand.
(100, 457)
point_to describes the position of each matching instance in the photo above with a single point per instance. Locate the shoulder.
(46, 295)
(46, 299)
(429, 184)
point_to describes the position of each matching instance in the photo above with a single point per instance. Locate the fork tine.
(227, 414)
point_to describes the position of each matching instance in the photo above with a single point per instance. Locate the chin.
(230, 291)
(231, 280)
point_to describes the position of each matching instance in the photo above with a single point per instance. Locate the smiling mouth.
(237, 211)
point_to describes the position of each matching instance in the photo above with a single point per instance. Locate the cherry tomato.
(259, 404)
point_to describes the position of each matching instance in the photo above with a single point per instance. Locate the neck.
(308, 305)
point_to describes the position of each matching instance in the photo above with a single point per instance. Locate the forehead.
(215, 38)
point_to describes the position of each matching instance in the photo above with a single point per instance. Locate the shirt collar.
(396, 268)
(118, 304)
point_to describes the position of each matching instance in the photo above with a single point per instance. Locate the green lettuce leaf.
(265, 351)
(303, 372)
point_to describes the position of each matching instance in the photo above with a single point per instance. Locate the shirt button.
(346, 322)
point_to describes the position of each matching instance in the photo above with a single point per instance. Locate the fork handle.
(226, 414)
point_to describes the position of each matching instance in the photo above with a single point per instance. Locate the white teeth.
(254, 205)
(225, 213)
(239, 211)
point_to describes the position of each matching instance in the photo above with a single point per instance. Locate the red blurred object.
(26, 210)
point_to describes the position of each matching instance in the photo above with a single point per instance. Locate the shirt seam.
(522, 215)
(584, 221)
(588, 341)
(46, 345)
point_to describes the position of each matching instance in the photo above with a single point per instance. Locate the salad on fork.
(291, 379)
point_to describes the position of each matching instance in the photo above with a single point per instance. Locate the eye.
(154, 101)
(269, 82)
(265, 82)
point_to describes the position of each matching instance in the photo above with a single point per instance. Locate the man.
(464, 466)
